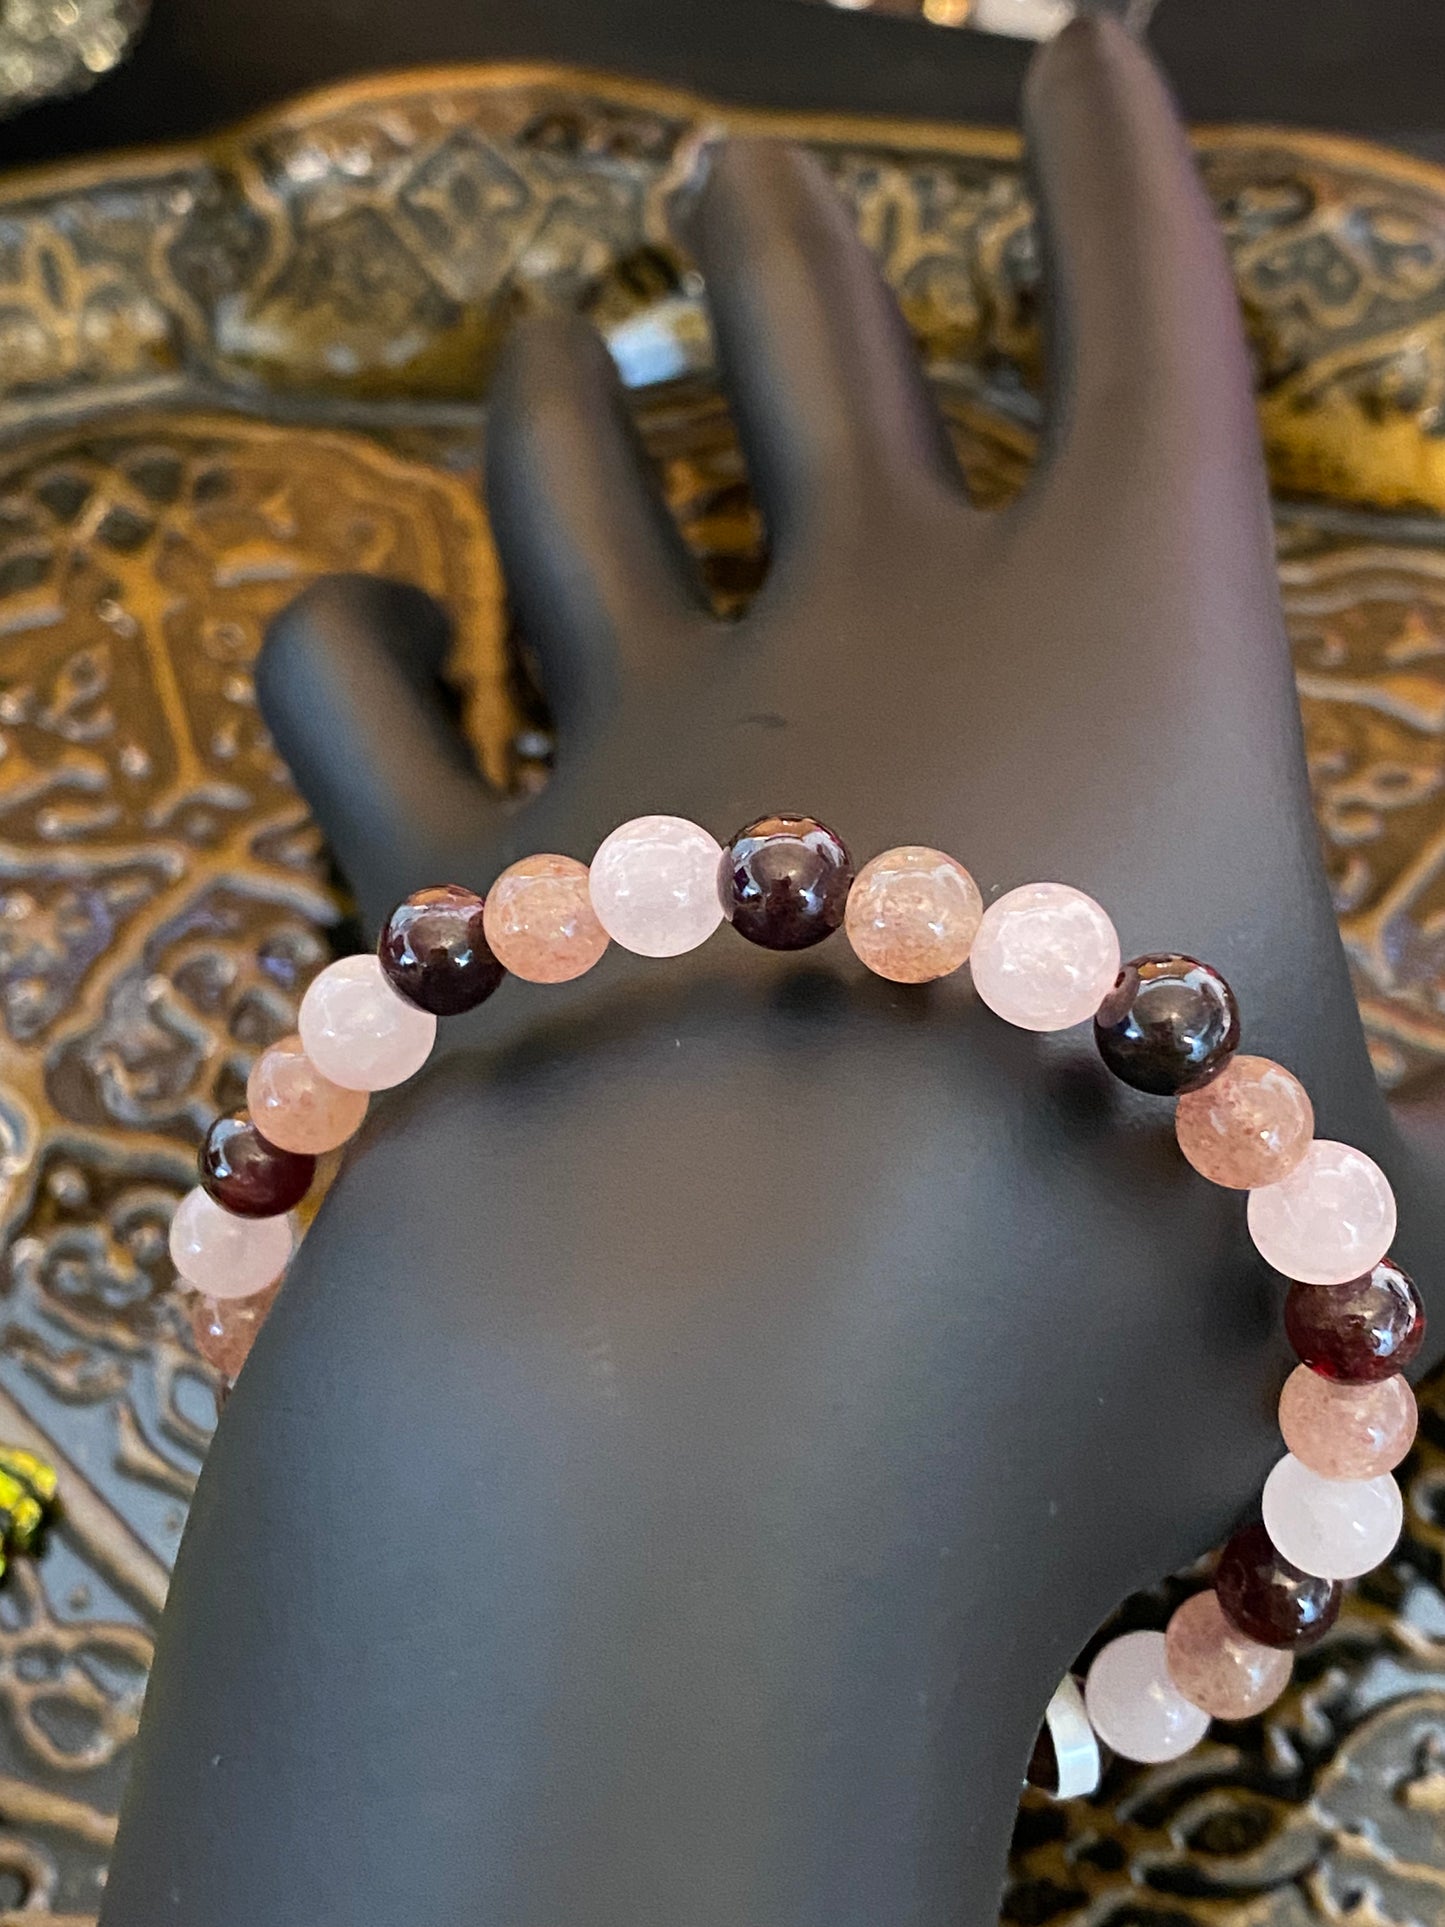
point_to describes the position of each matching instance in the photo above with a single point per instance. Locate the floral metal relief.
(226, 370)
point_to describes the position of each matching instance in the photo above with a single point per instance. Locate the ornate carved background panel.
(223, 371)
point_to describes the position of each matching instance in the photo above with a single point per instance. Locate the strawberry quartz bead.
(1360, 1331)
(297, 1109)
(784, 882)
(913, 914)
(1250, 1125)
(540, 921)
(1270, 1600)
(1347, 1431)
(434, 951)
(247, 1175)
(1217, 1668)
(225, 1330)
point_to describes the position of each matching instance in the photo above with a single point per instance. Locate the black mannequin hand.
(778, 1375)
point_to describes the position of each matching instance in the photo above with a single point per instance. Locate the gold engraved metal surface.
(224, 370)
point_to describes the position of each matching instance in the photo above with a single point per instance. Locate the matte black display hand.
(715, 1405)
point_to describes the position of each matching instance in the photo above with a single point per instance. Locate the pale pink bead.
(540, 922)
(1334, 1528)
(297, 1109)
(1347, 1431)
(1135, 1706)
(1332, 1219)
(224, 1256)
(1045, 956)
(226, 1329)
(654, 885)
(1216, 1668)
(1248, 1126)
(913, 914)
(360, 1032)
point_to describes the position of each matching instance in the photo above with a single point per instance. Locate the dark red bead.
(1360, 1332)
(247, 1175)
(434, 952)
(1168, 1025)
(784, 882)
(1269, 1600)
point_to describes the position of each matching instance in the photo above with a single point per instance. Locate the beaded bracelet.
(1043, 957)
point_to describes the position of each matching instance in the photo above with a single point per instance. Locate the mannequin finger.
(596, 567)
(349, 683)
(1146, 348)
(823, 376)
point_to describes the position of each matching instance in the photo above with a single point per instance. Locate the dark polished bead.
(1360, 1332)
(784, 882)
(247, 1175)
(1269, 1600)
(1168, 1025)
(434, 952)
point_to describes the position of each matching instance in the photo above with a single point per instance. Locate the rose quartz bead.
(1134, 1705)
(540, 922)
(1216, 1668)
(297, 1109)
(1332, 1219)
(1250, 1125)
(1334, 1528)
(1347, 1431)
(1045, 957)
(224, 1256)
(913, 914)
(226, 1330)
(654, 885)
(359, 1032)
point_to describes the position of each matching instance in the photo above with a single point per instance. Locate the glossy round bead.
(1338, 1528)
(1269, 1599)
(435, 952)
(540, 921)
(1330, 1220)
(784, 882)
(1250, 1125)
(1347, 1431)
(361, 1033)
(1360, 1331)
(1045, 957)
(1134, 1705)
(223, 1256)
(912, 914)
(226, 1329)
(297, 1109)
(1168, 1025)
(249, 1176)
(653, 884)
(1216, 1668)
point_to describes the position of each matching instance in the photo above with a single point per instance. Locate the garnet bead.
(1168, 1025)
(784, 882)
(251, 1178)
(1359, 1332)
(435, 952)
(1268, 1599)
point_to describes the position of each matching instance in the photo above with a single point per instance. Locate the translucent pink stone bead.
(1216, 1668)
(297, 1109)
(1045, 957)
(654, 885)
(1347, 1431)
(224, 1256)
(1251, 1125)
(913, 914)
(1334, 1528)
(359, 1032)
(540, 922)
(1135, 1706)
(226, 1329)
(1332, 1219)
